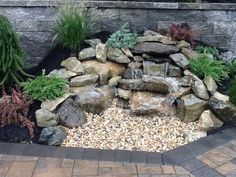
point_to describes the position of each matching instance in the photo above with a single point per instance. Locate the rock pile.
(150, 78)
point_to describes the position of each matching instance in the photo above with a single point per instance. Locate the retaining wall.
(35, 20)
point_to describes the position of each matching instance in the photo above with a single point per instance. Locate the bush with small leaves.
(208, 50)
(122, 38)
(45, 88)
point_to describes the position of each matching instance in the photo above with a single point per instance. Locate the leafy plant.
(202, 66)
(182, 32)
(232, 92)
(72, 25)
(208, 50)
(232, 68)
(122, 38)
(11, 55)
(44, 88)
(14, 110)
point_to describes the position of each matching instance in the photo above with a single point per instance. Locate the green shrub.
(122, 38)
(44, 88)
(11, 55)
(232, 68)
(208, 50)
(232, 92)
(202, 66)
(72, 25)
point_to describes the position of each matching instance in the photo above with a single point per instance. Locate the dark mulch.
(17, 133)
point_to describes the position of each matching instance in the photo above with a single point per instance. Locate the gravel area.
(116, 128)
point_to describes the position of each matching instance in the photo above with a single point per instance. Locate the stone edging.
(124, 4)
(174, 156)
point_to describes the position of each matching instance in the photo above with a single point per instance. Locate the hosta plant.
(14, 110)
(72, 25)
(11, 55)
(203, 66)
(122, 38)
(182, 32)
(45, 88)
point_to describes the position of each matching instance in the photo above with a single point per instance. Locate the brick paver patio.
(213, 156)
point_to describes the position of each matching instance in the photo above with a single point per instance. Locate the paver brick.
(168, 169)
(149, 169)
(125, 170)
(67, 163)
(4, 166)
(53, 172)
(21, 167)
(226, 168)
(86, 163)
(85, 170)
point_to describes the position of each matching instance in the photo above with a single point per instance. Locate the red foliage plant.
(14, 110)
(182, 32)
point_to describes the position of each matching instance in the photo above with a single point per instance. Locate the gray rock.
(228, 57)
(101, 52)
(138, 58)
(135, 65)
(125, 94)
(122, 103)
(190, 108)
(70, 114)
(84, 80)
(51, 105)
(113, 82)
(154, 48)
(180, 60)
(87, 53)
(116, 55)
(160, 84)
(93, 42)
(74, 65)
(45, 118)
(131, 84)
(187, 81)
(183, 44)
(189, 53)
(200, 90)
(146, 103)
(174, 71)
(208, 121)
(53, 136)
(210, 84)
(133, 73)
(156, 38)
(225, 111)
(151, 33)
(62, 73)
(95, 100)
(127, 52)
(153, 69)
(221, 97)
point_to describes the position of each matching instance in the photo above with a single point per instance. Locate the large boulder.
(62, 73)
(224, 110)
(155, 69)
(70, 114)
(180, 60)
(220, 96)
(154, 48)
(117, 55)
(46, 118)
(208, 121)
(74, 65)
(51, 105)
(53, 136)
(84, 80)
(95, 100)
(87, 53)
(190, 108)
(156, 38)
(160, 84)
(103, 70)
(93, 42)
(146, 103)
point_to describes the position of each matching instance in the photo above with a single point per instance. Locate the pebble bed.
(117, 128)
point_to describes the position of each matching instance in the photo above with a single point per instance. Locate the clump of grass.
(45, 88)
(72, 25)
(203, 66)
